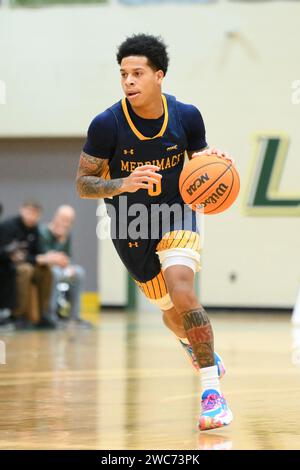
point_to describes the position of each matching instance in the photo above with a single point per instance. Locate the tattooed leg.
(195, 322)
(200, 335)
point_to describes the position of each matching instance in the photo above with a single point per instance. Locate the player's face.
(140, 82)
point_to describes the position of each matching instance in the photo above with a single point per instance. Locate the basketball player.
(135, 149)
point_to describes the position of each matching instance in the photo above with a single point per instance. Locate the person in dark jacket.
(20, 254)
(7, 285)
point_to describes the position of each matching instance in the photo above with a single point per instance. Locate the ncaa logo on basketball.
(197, 183)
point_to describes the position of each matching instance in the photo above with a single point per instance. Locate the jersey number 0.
(154, 188)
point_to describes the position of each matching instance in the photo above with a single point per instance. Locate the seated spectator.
(19, 247)
(7, 282)
(7, 288)
(55, 240)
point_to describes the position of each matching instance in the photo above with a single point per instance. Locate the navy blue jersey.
(135, 141)
(127, 141)
(103, 130)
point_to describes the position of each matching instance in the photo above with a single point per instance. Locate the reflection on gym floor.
(126, 384)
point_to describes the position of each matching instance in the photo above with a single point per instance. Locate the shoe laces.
(212, 401)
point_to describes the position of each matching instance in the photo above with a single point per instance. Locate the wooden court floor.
(127, 385)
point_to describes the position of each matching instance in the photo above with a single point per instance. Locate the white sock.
(210, 379)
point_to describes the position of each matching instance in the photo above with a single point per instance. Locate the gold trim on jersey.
(136, 131)
(179, 239)
(156, 288)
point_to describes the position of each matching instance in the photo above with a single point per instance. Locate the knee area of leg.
(56, 273)
(79, 272)
(183, 298)
(25, 269)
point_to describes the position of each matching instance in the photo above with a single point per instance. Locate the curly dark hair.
(148, 46)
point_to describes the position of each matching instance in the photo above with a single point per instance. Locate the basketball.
(210, 181)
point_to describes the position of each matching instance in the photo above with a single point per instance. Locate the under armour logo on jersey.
(130, 152)
(134, 244)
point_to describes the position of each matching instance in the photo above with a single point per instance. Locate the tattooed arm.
(91, 183)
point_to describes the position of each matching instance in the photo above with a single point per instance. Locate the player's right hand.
(142, 177)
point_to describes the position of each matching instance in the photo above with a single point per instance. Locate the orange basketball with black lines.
(211, 182)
